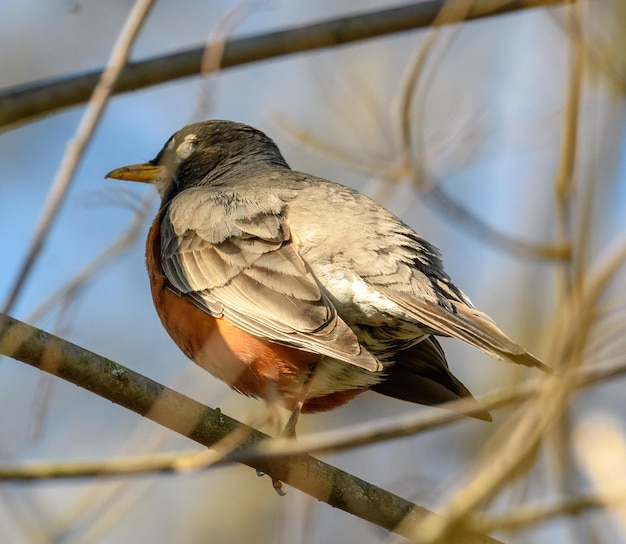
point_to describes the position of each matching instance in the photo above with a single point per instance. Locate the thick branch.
(206, 426)
(26, 102)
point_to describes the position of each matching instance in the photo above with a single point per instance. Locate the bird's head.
(201, 154)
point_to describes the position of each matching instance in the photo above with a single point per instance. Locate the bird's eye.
(189, 145)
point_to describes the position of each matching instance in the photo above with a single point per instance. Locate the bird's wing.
(233, 254)
(474, 327)
(415, 281)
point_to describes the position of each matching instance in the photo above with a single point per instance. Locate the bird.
(295, 289)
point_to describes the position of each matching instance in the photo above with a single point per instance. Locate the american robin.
(295, 289)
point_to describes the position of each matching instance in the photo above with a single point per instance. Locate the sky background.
(490, 110)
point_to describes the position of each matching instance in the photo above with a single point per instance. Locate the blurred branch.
(517, 445)
(433, 190)
(352, 159)
(510, 453)
(599, 443)
(486, 233)
(208, 427)
(326, 441)
(564, 183)
(76, 147)
(65, 295)
(211, 60)
(123, 242)
(570, 274)
(27, 102)
(597, 49)
(532, 515)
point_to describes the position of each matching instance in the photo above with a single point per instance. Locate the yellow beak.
(145, 173)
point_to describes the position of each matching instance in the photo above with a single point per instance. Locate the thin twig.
(452, 11)
(214, 52)
(515, 447)
(564, 180)
(327, 441)
(123, 242)
(77, 145)
(433, 190)
(533, 515)
(65, 294)
(572, 272)
(484, 232)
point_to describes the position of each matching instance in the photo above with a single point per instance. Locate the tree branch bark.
(27, 102)
(209, 427)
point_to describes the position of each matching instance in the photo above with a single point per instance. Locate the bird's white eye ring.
(189, 145)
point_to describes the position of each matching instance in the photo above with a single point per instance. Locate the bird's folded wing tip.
(530, 360)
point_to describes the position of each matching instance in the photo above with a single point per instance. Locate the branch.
(115, 249)
(518, 247)
(335, 440)
(73, 153)
(27, 102)
(433, 190)
(532, 515)
(209, 427)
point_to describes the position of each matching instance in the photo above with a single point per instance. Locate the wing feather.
(234, 256)
(417, 283)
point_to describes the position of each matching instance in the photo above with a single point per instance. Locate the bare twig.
(564, 180)
(515, 446)
(568, 282)
(75, 148)
(533, 515)
(117, 247)
(434, 191)
(65, 295)
(28, 102)
(486, 233)
(214, 52)
(326, 441)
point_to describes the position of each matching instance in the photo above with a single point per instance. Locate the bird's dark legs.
(290, 429)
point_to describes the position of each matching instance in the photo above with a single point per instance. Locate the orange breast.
(250, 365)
